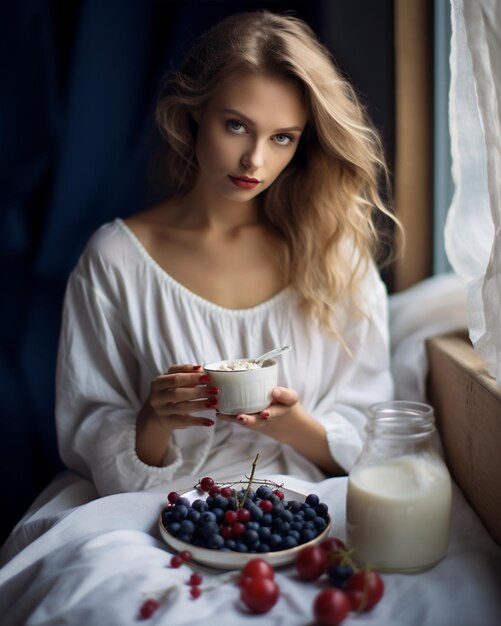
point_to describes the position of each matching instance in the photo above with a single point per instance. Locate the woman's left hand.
(270, 420)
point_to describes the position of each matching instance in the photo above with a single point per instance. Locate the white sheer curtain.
(473, 227)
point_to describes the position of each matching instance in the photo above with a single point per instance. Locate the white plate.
(237, 560)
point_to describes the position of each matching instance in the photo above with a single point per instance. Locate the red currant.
(195, 592)
(280, 494)
(365, 588)
(196, 579)
(206, 483)
(230, 517)
(227, 492)
(173, 497)
(266, 506)
(238, 529)
(243, 515)
(215, 490)
(176, 561)
(226, 531)
(185, 556)
(148, 608)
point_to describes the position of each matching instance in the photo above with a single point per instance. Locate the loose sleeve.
(360, 379)
(97, 396)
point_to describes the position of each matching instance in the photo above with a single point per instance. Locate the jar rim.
(401, 419)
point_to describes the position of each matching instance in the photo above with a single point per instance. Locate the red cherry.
(330, 607)
(259, 594)
(238, 529)
(371, 588)
(311, 562)
(258, 567)
(226, 531)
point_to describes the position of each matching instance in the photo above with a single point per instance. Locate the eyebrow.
(249, 121)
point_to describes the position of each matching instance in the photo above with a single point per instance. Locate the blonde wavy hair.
(326, 203)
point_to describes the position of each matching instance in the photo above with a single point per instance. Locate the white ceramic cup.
(243, 391)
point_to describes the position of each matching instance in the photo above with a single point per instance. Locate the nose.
(253, 158)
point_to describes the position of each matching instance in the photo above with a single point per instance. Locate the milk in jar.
(399, 494)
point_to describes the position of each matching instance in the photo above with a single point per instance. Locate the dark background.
(78, 85)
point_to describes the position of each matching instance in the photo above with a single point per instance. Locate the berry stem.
(249, 484)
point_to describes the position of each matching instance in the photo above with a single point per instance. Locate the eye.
(236, 127)
(283, 140)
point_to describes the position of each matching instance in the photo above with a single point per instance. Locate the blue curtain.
(78, 85)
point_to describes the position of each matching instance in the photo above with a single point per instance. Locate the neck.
(201, 208)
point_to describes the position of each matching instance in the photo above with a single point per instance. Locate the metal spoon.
(269, 355)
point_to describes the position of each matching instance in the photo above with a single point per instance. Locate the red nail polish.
(196, 367)
(265, 415)
(205, 378)
(208, 422)
(240, 418)
(212, 402)
(213, 391)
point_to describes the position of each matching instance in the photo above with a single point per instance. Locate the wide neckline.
(280, 295)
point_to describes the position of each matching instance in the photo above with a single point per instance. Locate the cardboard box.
(467, 404)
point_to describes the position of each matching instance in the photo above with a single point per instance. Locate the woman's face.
(247, 134)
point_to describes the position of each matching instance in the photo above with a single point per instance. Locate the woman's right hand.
(183, 390)
(174, 396)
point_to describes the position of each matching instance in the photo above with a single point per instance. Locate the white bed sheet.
(95, 563)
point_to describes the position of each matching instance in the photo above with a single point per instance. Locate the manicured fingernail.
(241, 418)
(211, 402)
(197, 367)
(208, 422)
(213, 391)
(265, 415)
(205, 378)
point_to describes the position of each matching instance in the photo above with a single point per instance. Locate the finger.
(180, 379)
(183, 421)
(168, 409)
(184, 394)
(183, 367)
(283, 395)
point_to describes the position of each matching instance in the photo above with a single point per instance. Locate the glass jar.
(398, 506)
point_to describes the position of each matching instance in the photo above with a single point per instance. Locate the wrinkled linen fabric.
(473, 226)
(126, 321)
(97, 563)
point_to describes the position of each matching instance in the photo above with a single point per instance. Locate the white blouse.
(126, 320)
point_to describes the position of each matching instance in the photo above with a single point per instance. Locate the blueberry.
(264, 533)
(278, 509)
(307, 535)
(309, 513)
(230, 544)
(289, 542)
(264, 492)
(207, 517)
(250, 536)
(274, 541)
(193, 516)
(173, 528)
(312, 499)
(211, 528)
(322, 509)
(180, 512)
(187, 528)
(221, 502)
(263, 547)
(215, 542)
(241, 547)
(267, 519)
(294, 506)
(256, 513)
(219, 513)
(320, 523)
(287, 516)
(253, 525)
(184, 501)
(297, 526)
(339, 574)
(295, 534)
(200, 506)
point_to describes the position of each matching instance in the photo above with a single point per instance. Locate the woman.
(266, 238)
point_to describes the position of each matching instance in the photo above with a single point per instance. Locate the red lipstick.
(244, 182)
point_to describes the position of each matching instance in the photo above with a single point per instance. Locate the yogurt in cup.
(244, 387)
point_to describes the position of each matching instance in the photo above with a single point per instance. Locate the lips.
(244, 182)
